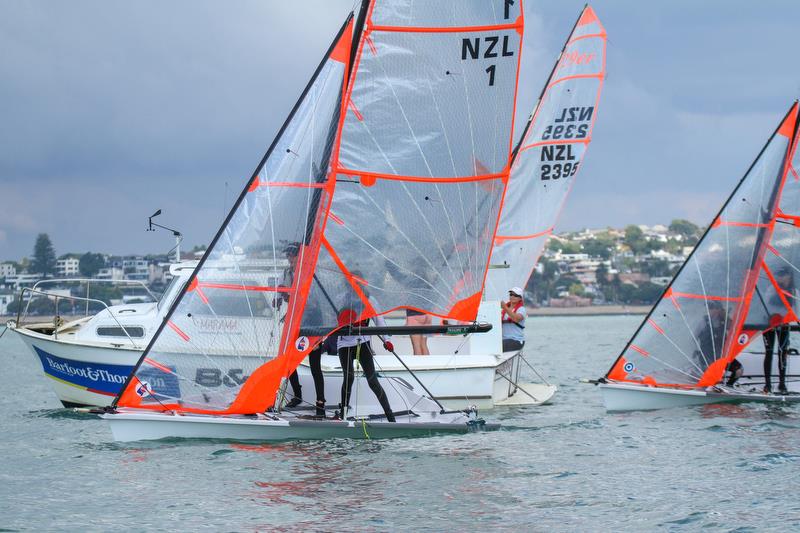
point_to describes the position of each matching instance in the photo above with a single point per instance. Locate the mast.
(233, 210)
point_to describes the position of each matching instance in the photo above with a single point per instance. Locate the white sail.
(549, 156)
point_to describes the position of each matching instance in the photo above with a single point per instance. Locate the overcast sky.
(110, 109)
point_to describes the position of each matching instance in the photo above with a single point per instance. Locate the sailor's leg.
(769, 345)
(315, 362)
(367, 362)
(346, 356)
(783, 340)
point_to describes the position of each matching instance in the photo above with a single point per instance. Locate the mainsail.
(382, 191)
(709, 313)
(549, 154)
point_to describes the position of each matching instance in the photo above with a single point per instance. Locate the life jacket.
(504, 318)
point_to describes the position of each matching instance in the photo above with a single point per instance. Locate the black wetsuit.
(366, 360)
(782, 332)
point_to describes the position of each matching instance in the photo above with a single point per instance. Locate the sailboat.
(724, 297)
(548, 156)
(386, 182)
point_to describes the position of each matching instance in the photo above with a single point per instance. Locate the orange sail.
(371, 199)
(712, 308)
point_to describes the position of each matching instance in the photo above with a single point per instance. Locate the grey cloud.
(112, 109)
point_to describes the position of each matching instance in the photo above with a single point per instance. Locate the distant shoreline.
(591, 310)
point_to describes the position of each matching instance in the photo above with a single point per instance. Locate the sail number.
(489, 47)
(559, 160)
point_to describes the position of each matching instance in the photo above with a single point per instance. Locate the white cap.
(517, 290)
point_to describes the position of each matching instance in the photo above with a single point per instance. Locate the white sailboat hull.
(629, 397)
(129, 426)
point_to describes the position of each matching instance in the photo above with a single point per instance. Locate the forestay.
(390, 195)
(549, 155)
(704, 318)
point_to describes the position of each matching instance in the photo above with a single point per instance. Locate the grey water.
(568, 466)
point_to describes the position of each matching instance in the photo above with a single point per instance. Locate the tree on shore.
(44, 256)
(91, 263)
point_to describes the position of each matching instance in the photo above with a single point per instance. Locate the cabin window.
(117, 331)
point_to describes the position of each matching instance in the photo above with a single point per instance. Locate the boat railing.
(57, 320)
(89, 282)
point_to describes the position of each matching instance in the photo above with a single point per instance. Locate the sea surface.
(568, 466)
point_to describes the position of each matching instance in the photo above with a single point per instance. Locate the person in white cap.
(513, 319)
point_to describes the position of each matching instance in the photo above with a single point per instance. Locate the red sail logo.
(575, 58)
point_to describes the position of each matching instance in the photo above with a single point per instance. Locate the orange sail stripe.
(640, 350)
(355, 110)
(575, 77)
(448, 29)
(655, 326)
(585, 140)
(157, 365)
(395, 177)
(701, 297)
(177, 330)
(201, 294)
(721, 222)
(781, 292)
(303, 185)
(368, 309)
(502, 238)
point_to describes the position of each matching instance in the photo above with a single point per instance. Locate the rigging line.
(394, 225)
(406, 292)
(447, 367)
(244, 289)
(455, 173)
(676, 369)
(472, 145)
(430, 229)
(386, 217)
(690, 359)
(421, 153)
(414, 375)
(400, 267)
(694, 338)
(708, 315)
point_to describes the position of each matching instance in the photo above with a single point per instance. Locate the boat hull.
(91, 375)
(81, 374)
(624, 397)
(128, 427)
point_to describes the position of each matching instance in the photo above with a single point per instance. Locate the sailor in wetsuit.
(315, 356)
(513, 320)
(785, 280)
(352, 347)
(711, 338)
